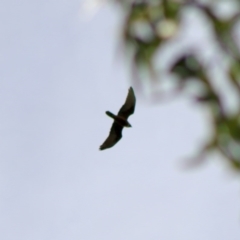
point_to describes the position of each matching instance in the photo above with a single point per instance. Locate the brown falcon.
(120, 120)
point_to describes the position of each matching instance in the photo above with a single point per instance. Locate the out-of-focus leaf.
(186, 66)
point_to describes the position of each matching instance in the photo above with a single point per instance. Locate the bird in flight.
(120, 120)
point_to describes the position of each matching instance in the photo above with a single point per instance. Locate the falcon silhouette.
(120, 120)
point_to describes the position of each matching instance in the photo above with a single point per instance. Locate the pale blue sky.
(58, 76)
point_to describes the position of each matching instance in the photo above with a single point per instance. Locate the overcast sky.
(58, 76)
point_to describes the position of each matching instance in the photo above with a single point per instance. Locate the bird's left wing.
(114, 136)
(129, 105)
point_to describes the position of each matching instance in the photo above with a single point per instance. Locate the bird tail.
(111, 115)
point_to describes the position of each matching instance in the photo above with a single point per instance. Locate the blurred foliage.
(151, 26)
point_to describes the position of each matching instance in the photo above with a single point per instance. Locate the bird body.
(120, 120)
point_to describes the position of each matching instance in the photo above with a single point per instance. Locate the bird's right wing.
(129, 105)
(114, 136)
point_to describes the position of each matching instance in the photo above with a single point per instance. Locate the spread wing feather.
(114, 136)
(129, 106)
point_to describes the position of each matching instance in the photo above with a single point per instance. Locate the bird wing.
(114, 136)
(129, 105)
